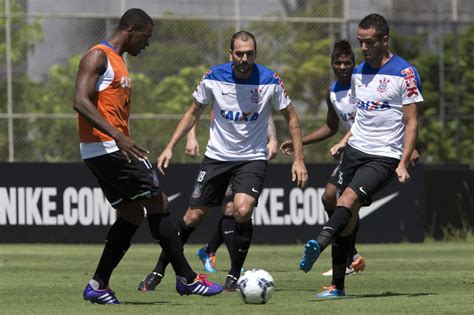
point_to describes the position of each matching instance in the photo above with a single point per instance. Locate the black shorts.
(124, 182)
(335, 175)
(215, 176)
(364, 173)
(229, 194)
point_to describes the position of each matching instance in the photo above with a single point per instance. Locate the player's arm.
(192, 143)
(189, 119)
(91, 67)
(298, 169)
(410, 118)
(337, 149)
(329, 129)
(272, 145)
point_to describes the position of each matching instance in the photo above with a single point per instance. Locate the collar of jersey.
(106, 43)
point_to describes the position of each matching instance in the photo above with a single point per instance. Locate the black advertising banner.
(62, 203)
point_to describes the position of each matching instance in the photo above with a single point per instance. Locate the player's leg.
(247, 184)
(153, 279)
(228, 226)
(341, 216)
(356, 261)
(165, 232)
(110, 170)
(224, 233)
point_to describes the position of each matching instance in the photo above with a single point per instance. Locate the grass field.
(399, 278)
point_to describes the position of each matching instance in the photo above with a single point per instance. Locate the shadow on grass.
(373, 295)
(147, 303)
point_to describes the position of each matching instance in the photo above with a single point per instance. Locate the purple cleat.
(106, 296)
(200, 286)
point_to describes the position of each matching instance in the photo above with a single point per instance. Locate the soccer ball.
(255, 286)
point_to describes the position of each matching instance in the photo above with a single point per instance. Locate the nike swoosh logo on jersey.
(254, 190)
(242, 250)
(228, 232)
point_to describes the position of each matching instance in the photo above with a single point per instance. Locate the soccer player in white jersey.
(242, 94)
(225, 225)
(341, 107)
(378, 146)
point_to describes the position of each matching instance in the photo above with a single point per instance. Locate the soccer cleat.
(349, 271)
(311, 254)
(230, 284)
(200, 286)
(209, 262)
(359, 264)
(150, 282)
(330, 292)
(106, 296)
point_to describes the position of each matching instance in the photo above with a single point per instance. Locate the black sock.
(216, 239)
(228, 230)
(184, 232)
(353, 250)
(116, 245)
(165, 232)
(340, 248)
(242, 239)
(335, 225)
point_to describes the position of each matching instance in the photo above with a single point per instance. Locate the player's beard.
(244, 69)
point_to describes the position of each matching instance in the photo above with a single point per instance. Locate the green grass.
(399, 278)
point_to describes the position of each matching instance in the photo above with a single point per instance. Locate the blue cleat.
(209, 262)
(105, 296)
(331, 292)
(200, 286)
(311, 254)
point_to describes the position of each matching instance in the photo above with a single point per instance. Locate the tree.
(24, 35)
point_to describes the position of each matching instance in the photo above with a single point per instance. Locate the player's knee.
(348, 199)
(229, 208)
(329, 201)
(193, 217)
(133, 215)
(243, 213)
(156, 204)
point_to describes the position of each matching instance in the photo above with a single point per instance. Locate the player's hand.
(129, 149)
(272, 149)
(164, 160)
(415, 156)
(299, 174)
(192, 148)
(287, 147)
(402, 173)
(337, 150)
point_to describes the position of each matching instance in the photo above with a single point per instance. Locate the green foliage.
(24, 34)
(449, 140)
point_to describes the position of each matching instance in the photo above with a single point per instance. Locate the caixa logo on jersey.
(373, 105)
(239, 116)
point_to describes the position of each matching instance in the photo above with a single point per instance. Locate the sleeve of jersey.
(280, 99)
(203, 92)
(411, 86)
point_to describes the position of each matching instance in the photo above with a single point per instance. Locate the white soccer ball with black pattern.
(255, 286)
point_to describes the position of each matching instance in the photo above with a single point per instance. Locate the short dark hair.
(136, 17)
(244, 36)
(342, 47)
(378, 22)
